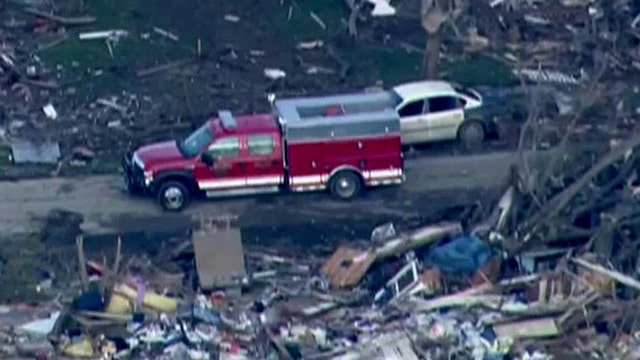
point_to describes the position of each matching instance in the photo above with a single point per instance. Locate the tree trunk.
(432, 54)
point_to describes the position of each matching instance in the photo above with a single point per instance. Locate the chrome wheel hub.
(173, 197)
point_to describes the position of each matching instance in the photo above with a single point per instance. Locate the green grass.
(301, 26)
(22, 261)
(269, 18)
(130, 53)
(480, 70)
(390, 66)
(631, 101)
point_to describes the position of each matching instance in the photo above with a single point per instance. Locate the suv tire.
(345, 185)
(471, 135)
(173, 196)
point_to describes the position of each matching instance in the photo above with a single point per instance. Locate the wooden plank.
(533, 328)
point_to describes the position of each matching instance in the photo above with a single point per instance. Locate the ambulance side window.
(261, 145)
(225, 148)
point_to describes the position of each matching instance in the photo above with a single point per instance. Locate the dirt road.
(433, 184)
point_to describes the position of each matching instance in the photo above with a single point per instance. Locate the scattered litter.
(43, 326)
(24, 152)
(107, 34)
(309, 45)
(274, 74)
(547, 76)
(232, 18)
(112, 104)
(50, 111)
(318, 20)
(166, 33)
(382, 8)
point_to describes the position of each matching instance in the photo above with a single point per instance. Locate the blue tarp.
(461, 256)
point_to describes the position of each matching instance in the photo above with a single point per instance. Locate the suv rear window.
(443, 103)
(465, 91)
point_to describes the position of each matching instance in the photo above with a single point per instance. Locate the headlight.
(148, 177)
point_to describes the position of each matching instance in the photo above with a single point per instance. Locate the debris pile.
(550, 273)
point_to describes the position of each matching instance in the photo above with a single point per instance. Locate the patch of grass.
(481, 70)
(390, 66)
(22, 262)
(86, 57)
(631, 101)
(301, 26)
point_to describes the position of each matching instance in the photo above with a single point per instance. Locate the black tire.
(472, 135)
(173, 196)
(345, 185)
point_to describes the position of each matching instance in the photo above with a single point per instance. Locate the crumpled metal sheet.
(25, 151)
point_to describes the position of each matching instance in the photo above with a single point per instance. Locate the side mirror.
(207, 159)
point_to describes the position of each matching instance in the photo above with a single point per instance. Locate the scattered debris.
(112, 104)
(232, 18)
(107, 34)
(219, 257)
(547, 76)
(50, 111)
(166, 33)
(27, 152)
(310, 45)
(318, 20)
(82, 20)
(274, 74)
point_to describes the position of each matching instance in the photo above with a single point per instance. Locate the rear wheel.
(472, 135)
(173, 196)
(345, 185)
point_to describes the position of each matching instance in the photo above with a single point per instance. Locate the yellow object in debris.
(119, 304)
(81, 349)
(151, 300)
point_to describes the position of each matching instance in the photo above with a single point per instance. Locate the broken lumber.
(79, 20)
(82, 266)
(612, 274)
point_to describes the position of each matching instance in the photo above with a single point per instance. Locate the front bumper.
(133, 175)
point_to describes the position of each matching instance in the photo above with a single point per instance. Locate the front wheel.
(173, 196)
(472, 135)
(345, 185)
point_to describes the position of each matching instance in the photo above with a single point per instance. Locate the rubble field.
(548, 269)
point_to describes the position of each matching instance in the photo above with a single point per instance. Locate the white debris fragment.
(636, 21)
(111, 104)
(232, 18)
(382, 8)
(165, 33)
(318, 20)
(309, 45)
(7, 59)
(107, 34)
(50, 111)
(547, 76)
(274, 73)
(114, 124)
